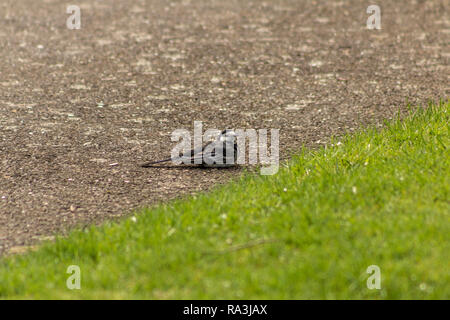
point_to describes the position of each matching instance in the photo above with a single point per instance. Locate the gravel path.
(81, 109)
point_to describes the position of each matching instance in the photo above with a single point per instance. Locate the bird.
(225, 145)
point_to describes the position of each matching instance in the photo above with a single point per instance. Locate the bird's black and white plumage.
(221, 152)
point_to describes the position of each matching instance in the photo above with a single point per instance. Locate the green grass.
(381, 197)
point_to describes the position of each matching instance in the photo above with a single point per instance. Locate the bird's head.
(227, 135)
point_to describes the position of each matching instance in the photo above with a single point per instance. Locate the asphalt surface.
(80, 110)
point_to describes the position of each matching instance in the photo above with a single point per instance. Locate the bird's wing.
(198, 150)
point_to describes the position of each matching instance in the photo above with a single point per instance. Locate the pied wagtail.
(225, 147)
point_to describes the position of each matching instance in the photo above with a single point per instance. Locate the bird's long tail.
(186, 160)
(149, 164)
